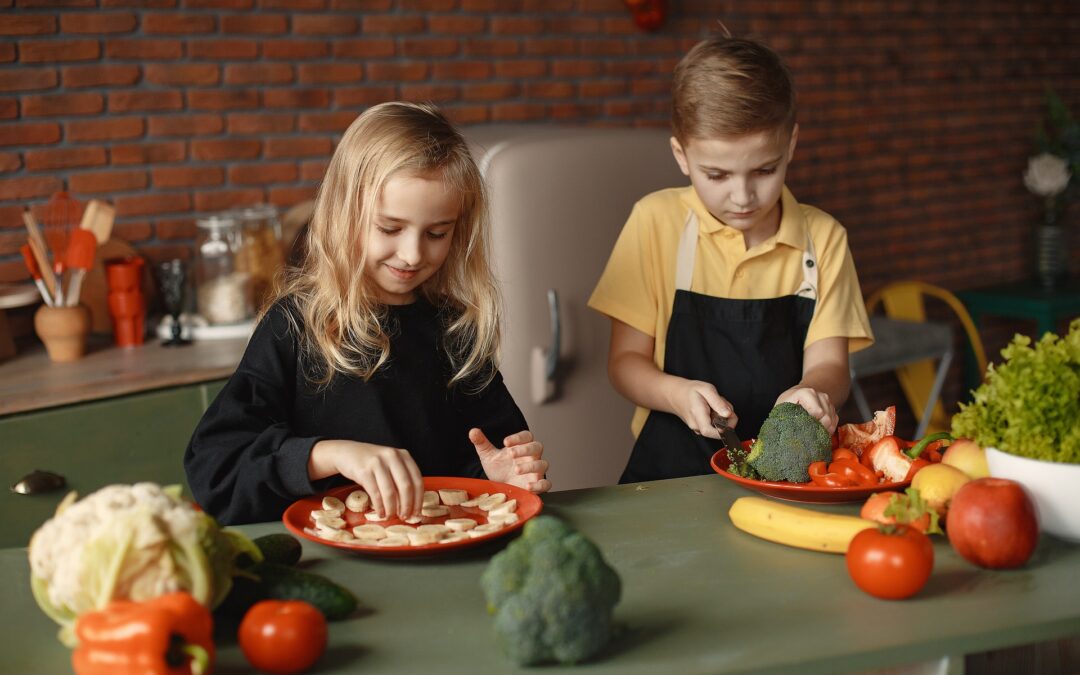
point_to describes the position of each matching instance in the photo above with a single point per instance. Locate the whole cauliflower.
(132, 542)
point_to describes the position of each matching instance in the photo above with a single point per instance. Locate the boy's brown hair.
(727, 86)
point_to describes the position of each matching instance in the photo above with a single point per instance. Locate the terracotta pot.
(63, 330)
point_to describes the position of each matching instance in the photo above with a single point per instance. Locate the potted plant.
(1026, 414)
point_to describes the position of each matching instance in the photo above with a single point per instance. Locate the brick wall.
(917, 118)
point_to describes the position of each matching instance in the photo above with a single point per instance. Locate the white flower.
(1046, 175)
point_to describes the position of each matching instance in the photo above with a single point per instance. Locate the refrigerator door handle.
(545, 362)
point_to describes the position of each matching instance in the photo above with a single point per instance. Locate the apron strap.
(809, 286)
(684, 259)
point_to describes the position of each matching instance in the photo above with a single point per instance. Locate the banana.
(795, 526)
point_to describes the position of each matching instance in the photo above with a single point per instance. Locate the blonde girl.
(376, 363)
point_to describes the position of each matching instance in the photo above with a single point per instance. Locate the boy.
(727, 296)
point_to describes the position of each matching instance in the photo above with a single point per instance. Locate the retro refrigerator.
(559, 197)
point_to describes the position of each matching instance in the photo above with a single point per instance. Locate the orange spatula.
(79, 257)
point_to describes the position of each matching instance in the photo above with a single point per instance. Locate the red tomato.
(283, 636)
(874, 509)
(892, 562)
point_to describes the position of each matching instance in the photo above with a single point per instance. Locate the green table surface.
(699, 597)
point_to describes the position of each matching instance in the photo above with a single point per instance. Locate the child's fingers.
(406, 489)
(481, 443)
(387, 503)
(531, 449)
(537, 466)
(416, 479)
(540, 486)
(518, 438)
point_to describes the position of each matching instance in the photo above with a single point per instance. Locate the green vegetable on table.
(789, 441)
(130, 542)
(1029, 405)
(552, 594)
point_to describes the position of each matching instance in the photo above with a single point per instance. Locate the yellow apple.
(966, 455)
(937, 483)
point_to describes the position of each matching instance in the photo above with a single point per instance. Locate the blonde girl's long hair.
(344, 325)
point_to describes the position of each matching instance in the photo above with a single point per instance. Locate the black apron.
(750, 350)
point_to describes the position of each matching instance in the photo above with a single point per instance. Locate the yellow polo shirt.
(638, 283)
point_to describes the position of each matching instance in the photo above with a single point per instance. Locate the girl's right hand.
(389, 475)
(694, 402)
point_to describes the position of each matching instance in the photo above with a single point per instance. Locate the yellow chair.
(904, 300)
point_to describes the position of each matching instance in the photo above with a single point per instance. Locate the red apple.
(992, 523)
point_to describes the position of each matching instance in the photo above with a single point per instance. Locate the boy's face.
(740, 179)
(411, 233)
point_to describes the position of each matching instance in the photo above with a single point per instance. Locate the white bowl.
(1054, 487)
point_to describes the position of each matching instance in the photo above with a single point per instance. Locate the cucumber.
(280, 548)
(281, 582)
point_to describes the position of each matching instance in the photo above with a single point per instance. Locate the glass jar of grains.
(261, 255)
(223, 290)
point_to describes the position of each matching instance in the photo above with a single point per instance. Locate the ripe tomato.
(891, 562)
(283, 636)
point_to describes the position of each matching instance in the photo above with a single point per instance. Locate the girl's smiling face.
(410, 236)
(740, 179)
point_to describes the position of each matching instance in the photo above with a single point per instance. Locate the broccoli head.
(552, 594)
(789, 441)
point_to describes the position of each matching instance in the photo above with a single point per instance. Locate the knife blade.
(728, 437)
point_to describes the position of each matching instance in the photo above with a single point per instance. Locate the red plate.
(297, 517)
(801, 492)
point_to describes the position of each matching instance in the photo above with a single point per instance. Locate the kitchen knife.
(727, 435)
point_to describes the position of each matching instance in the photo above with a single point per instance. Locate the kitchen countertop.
(30, 381)
(699, 596)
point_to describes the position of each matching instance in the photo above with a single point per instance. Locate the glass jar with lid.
(223, 289)
(261, 255)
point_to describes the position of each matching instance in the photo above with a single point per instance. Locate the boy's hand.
(389, 475)
(817, 403)
(519, 463)
(694, 402)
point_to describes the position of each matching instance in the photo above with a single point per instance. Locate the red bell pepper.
(169, 635)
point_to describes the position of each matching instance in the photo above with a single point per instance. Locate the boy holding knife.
(727, 297)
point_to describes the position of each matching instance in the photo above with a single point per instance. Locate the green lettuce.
(1029, 405)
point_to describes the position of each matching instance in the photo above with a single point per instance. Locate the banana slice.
(505, 507)
(431, 498)
(417, 538)
(486, 528)
(374, 517)
(400, 529)
(329, 522)
(393, 540)
(332, 535)
(435, 511)
(453, 497)
(333, 504)
(434, 528)
(454, 536)
(357, 501)
(369, 532)
(475, 501)
(324, 514)
(414, 520)
(460, 524)
(491, 501)
(503, 519)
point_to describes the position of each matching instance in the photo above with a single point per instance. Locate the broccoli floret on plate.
(789, 441)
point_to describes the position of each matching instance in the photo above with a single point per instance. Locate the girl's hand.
(817, 403)
(519, 463)
(389, 475)
(694, 402)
